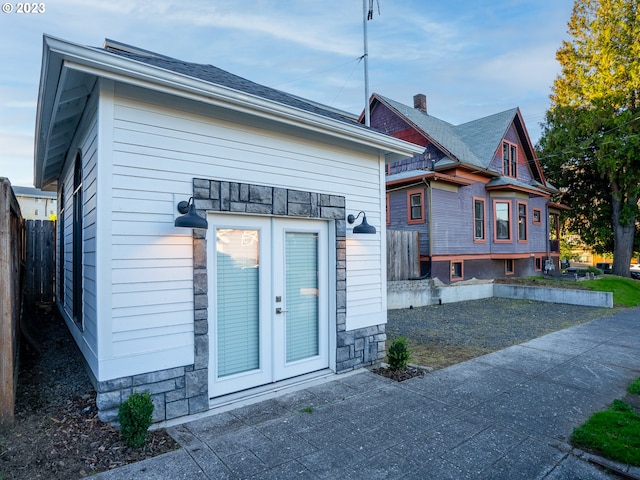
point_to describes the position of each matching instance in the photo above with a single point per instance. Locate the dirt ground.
(442, 335)
(57, 434)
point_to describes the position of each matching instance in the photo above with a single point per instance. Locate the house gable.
(485, 178)
(392, 124)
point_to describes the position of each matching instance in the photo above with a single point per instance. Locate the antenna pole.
(367, 113)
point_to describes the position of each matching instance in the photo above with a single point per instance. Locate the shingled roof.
(439, 131)
(473, 143)
(217, 76)
(484, 135)
(70, 71)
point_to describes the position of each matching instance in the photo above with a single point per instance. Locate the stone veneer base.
(183, 391)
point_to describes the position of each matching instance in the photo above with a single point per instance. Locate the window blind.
(301, 286)
(238, 297)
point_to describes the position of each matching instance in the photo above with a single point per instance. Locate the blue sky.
(471, 58)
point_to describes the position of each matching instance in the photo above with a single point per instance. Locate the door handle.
(280, 310)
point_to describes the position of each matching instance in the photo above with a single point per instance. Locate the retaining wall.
(420, 293)
(555, 295)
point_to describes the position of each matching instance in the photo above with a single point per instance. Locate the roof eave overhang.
(558, 206)
(430, 176)
(50, 72)
(468, 167)
(532, 158)
(517, 188)
(59, 54)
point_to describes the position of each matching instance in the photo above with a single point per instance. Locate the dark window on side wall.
(508, 266)
(478, 207)
(456, 270)
(503, 225)
(509, 160)
(522, 222)
(77, 240)
(537, 216)
(61, 248)
(415, 206)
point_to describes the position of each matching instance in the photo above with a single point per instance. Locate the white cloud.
(455, 52)
(16, 160)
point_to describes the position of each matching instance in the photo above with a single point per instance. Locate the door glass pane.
(237, 300)
(301, 287)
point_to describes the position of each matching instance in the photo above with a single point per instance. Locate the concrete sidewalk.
(505, 415)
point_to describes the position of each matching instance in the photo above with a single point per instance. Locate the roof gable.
(484, 135)
(70, 73)
(473, 144)
(441, 133)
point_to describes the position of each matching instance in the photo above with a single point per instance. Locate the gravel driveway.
(464, 330)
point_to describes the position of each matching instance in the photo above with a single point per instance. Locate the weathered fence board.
(11, 256)
(403, 255)
(39, 262)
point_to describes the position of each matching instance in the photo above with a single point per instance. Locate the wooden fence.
(39, 281)
(403, 255)
(11, 270)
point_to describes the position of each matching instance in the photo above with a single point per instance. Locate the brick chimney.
(420, 102)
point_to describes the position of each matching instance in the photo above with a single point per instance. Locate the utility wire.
(317, 72)
(348, 78)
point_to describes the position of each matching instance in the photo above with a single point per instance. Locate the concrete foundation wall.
(420, 293)
(555, 295)
(461, 293)
(411, 293)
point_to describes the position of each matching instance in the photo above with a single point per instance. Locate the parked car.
(634, 268)
(581, 272)
(605, 267)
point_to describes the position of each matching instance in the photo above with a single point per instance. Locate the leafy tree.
(590, 146)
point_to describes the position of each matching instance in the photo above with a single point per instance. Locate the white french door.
(268, 300)
(300, 288)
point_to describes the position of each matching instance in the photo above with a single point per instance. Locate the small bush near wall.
(134, 416)
(398, 354)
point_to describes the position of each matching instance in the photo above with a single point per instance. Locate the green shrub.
(595, 270)
(634, 387)
(398, 354)
(135, 417)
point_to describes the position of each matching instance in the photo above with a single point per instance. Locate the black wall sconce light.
(189, 217)
(364, 227)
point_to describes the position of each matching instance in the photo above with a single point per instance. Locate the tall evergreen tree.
(590, 146)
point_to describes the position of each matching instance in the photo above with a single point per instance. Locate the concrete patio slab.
(505, 415)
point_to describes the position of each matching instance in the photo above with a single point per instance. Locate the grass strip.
(634, 387)
(626, 291)
(614, 433)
